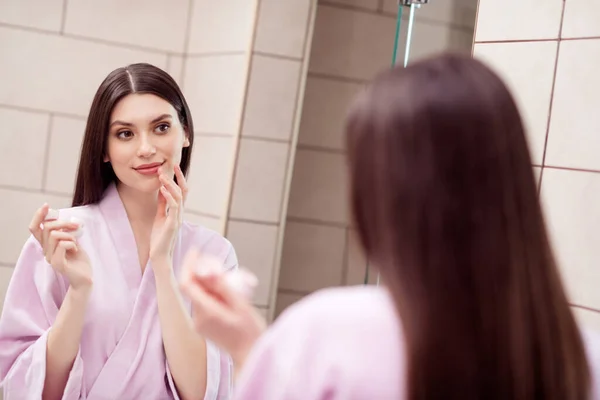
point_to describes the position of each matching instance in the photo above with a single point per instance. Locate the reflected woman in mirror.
(93, 309)
(472, 306)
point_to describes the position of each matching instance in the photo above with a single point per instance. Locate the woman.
(101, 316)
(445, 203)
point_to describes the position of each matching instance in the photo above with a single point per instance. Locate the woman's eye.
(162, 128)
(124, 134)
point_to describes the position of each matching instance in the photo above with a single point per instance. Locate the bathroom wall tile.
(175, 68)
(531, 19)
(282, 27)
(573, 140)
(5, 275)
(41, 14)
(455, 12)
(587, 319)
(271, 99)
(210, 174)
(431, 39)
(351, 44)
(284, 300)
(326, 104)
(23, 146)
(530, 81)
(145, 23)
(255, 245)
(581, 19)
(221, 26)
(372, 5)
(63, 158)
(259, 180)
(22, 205)
(319, 187)
(263, 311)
(313, 257)
(214, 87)
(206, 221)
(29, 58)
(570, 200)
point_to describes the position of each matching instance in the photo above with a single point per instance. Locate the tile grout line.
(254, 221)
(94, 40)
(338, 78)
(186, 44)
(63, 21)
(551, 105)
(277, 56)
(311, 221)
(590, 309)
(41, 111)
(46, 161)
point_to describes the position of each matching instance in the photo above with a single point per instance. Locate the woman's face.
(144, 134)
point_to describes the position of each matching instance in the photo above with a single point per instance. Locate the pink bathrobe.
(121, 353)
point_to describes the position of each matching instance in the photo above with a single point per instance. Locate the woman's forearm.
(63, 342)
(184, 348)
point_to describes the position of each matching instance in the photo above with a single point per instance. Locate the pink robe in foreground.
(121, 354)
(341, 344)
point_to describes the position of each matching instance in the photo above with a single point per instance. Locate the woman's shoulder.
(208, 241)
(333, 308)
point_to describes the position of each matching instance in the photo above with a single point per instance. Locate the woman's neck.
(140, 206)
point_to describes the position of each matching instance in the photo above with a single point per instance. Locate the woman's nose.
(146, 148)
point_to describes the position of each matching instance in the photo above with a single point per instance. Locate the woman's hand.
(61, 250)
(220, 313)
(169, 215)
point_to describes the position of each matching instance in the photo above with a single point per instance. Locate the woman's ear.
(106, 158)
(186, 140)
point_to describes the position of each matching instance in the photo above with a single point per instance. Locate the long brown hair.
(446, 205)
(94, 175)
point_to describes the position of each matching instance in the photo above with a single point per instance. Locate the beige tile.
(29, 59)
(210, 174)
(5, 275)
(326, 104)
(360, 4)
(530, 81)
(41, 14)
(15, 223)
(215, 87)
(150, 23)
(431, 39)
(175, 68)
(313, 257)
(271, 100)
(255, 245)
(63, 159)
(282, 27)
(570, 200)
(23, 137)
(587, 319)
(319, 187)
(531, 19)
(259, 180)
(456, 12)
(357, 263)
(351, 44)
(573, 140)
(206, 221)
(581, 19)
(284, 300)
(264, 312)
(221, 26)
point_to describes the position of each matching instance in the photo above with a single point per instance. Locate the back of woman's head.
(446, 205)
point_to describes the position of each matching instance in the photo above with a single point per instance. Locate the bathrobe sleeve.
(35, 294)
(219, 366)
